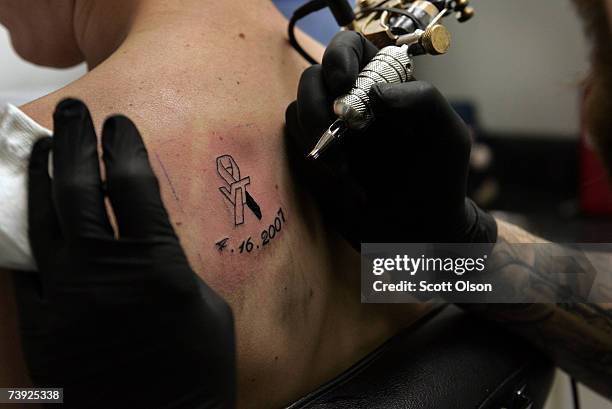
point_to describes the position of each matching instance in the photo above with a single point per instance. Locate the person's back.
(207, 84)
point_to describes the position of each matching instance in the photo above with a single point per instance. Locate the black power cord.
(341, 9)
(575, 396)
(303, 11)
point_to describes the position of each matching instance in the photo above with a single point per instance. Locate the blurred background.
(514, 73)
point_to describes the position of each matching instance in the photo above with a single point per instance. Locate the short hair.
(599, 100)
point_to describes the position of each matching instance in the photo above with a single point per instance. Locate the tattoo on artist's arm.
(576, 335)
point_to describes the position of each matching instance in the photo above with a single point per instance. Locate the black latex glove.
(118, 322)
(404, 178)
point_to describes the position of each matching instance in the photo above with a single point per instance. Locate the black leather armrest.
(451, 361)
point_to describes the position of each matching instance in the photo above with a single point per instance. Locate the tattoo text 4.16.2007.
(248, 245)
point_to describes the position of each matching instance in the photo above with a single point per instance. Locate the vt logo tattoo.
(235, 190)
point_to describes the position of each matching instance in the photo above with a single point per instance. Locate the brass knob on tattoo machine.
(460, 5)
(464, 12)
(436, 40)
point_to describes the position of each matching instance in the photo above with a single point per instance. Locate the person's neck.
(102, 26)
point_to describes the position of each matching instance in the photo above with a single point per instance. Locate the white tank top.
(18, 132)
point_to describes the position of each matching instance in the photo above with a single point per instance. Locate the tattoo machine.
(401, 29)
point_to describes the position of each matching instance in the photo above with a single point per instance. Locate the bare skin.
(202, 82)
(299, 321)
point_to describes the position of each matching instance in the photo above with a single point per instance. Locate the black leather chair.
(448, 361)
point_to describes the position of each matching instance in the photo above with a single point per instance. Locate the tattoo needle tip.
(314, 154)
(335, 131)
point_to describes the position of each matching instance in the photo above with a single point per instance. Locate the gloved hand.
(404, 178)
(119, 322)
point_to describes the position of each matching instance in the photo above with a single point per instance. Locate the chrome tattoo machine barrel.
(391, 65)
(402, 29)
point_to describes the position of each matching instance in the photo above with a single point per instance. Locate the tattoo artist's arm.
(577, 336)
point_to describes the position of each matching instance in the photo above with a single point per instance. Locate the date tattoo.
(249, 245)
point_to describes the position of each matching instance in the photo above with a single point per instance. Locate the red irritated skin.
(208, 89)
